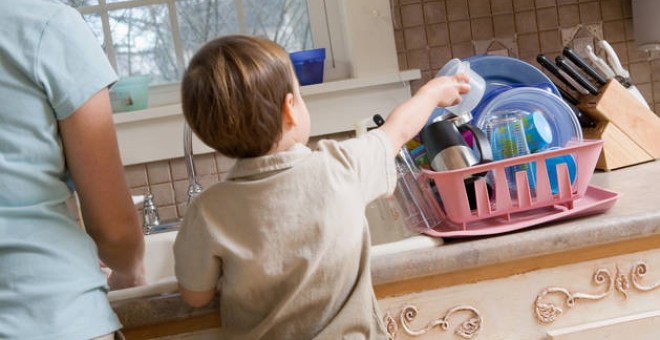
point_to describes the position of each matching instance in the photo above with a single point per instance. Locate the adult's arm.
(93, 160)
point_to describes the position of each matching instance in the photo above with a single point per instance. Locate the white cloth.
(286, 242)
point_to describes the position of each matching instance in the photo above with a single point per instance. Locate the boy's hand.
(446, 90)
(408, 118)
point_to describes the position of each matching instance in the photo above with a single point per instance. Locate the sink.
(159, 268)
(159, 257)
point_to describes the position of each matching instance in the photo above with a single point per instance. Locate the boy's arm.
(196, 299)
(409, 118)
(196, 267)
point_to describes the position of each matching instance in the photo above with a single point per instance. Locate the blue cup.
(551, 164)
(308, 65)
(537, 131)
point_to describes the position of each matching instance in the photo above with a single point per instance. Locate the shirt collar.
(248, 167)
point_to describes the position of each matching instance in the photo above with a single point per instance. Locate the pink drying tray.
(596, 200)
(527, 207)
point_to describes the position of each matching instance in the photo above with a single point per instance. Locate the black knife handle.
(584, 120)
(552, 68)
(573, 73)
(566, 96)
(378, 119)
(579, 62)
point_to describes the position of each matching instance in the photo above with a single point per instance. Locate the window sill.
(156, 133)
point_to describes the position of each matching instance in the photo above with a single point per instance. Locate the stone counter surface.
(636, 214)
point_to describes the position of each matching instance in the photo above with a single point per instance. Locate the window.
(158, 37)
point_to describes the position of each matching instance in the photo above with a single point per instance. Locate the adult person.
(56, 118)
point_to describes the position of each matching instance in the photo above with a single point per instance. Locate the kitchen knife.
(560, 74)
(613, 59)
(552, 68)
(582, 64)
(567, 96)
(584, 120)
(577, 76)
(600, 63)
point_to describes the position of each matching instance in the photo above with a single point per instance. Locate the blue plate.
(500, 70)
(501, 74)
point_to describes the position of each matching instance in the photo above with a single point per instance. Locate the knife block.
(628, 129)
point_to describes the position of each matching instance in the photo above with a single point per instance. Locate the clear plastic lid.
(560, 118)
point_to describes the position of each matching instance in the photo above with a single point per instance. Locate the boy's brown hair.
(233, 93)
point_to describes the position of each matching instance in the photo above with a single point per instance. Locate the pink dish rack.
(528, 207)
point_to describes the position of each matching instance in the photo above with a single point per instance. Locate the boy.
(284, 238)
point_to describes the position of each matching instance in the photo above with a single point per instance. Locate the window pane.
(94, 22)
(142, 38)
(79, 3)
(283, 21)
(203, 20)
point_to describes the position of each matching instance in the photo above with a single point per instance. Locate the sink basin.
(159, 268)
(159, 257)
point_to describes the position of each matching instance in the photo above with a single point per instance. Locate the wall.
(430, 32)
(168, 180)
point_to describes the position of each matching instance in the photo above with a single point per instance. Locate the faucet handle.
(151, 218)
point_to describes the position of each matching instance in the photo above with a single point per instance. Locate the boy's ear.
(288, 117)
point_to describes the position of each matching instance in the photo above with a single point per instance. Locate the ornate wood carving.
(547, 311)
(468, 329)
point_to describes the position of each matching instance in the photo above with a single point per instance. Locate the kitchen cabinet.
(538, 298)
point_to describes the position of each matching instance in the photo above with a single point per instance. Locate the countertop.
(636, 214)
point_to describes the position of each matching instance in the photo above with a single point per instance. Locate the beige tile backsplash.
(521, 28)
(427, 34)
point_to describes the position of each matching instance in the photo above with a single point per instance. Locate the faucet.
(194, 188)
(151, 223)
(151, 219)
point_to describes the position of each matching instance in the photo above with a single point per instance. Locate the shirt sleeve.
(70, 64)
(370, 157)
(195, 266)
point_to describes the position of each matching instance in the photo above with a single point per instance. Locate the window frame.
(325, 24)
(375, 85)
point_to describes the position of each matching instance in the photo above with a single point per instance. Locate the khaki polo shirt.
(285, 241)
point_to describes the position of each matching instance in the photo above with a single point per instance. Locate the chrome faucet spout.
(194, 188)
(151, 218)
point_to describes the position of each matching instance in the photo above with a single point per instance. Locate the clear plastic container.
(477, 86)
(417, 212)
(507, 137)
(130, 94)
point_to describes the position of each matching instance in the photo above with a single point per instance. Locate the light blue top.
(51, 286)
